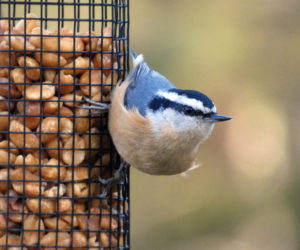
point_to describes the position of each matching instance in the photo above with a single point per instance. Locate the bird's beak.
(217, 118)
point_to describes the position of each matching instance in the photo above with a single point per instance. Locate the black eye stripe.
(163, 103)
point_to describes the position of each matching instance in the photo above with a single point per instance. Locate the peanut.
(32, 222)
(32, 113)
(54, 170)
(34, 73)
(37, 92)
(20, 133)
(50, 106)
(53, 146)
(7, 89)
(65, 82)
(91, 85)
(77, 144)
(52, 238)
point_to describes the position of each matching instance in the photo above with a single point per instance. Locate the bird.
(156, 127)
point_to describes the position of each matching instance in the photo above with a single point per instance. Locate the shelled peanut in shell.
(47, 141)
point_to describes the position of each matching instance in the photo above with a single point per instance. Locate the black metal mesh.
(52, 54)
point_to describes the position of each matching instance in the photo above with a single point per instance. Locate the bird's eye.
(189, 111)
(207, 114)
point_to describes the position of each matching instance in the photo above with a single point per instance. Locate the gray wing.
(145, 83)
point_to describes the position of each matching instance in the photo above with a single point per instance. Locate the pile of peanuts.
(48, 194)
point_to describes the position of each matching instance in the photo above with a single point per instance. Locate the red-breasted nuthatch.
(156, 127)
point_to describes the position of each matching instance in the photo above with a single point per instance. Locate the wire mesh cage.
(53, 54)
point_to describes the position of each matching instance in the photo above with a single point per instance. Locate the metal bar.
(55, 149)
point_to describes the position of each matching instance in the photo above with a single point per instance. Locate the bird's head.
(184, 110)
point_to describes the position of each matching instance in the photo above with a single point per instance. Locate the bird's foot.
(118, 176)
(96, 108)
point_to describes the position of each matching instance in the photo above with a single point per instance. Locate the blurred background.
(245, 55)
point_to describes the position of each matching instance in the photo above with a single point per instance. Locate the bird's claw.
(97, 108)
(118, 176)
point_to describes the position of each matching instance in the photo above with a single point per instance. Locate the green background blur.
(245, 55)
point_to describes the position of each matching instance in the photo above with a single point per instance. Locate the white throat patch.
(174, 119)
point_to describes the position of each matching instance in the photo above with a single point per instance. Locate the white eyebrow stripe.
(194, 103)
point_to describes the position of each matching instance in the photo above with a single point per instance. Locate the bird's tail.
(133, 54)
(137, 59)
(140, 67)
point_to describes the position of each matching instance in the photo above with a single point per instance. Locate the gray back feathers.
(144, 84)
